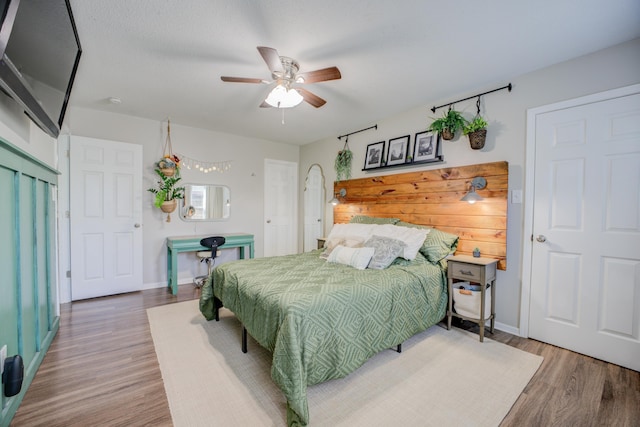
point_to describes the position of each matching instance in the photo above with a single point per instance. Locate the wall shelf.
(438, 159)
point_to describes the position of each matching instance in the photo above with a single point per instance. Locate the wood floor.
(101, 370)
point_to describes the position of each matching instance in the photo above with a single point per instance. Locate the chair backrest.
(213, 243)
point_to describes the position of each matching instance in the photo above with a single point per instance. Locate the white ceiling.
(164, 58)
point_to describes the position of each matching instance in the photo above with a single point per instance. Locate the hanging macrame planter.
(169, 162)
(343, 162)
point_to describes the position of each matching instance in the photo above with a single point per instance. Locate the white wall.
(245, 181)
(506, 113)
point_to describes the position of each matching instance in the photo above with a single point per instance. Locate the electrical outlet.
(3, 355)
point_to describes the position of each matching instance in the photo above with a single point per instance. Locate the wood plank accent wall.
(432, 197)
(28, 288)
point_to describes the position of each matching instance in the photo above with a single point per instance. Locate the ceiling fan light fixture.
(283, 97)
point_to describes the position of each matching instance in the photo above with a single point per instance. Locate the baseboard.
(155, 285)
(507, 328)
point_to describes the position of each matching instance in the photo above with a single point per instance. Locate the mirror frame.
(322, 203)
(182, 205)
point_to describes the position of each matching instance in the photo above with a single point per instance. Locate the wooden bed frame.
(432, 197)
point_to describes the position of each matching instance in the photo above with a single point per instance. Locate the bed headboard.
(432, 197)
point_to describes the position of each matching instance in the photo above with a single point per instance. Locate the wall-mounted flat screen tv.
(39, 55)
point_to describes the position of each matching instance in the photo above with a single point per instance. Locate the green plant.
(343, 164)
(166, 189)
(478, 123)
(452, 121)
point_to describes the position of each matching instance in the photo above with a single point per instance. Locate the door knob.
(540, 238)
(136, 225)
(319, 220)
(268, 221)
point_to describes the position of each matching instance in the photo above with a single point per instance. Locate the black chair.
(208, 256)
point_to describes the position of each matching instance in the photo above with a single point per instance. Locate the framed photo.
(374, 156)
(425, 146)
(397, 152)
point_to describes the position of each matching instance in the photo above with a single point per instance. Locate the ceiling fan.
(284, 71)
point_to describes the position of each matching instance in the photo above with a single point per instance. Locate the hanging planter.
(169, 163)
(168, 207)
(168, 166)
(448, 125)
(476, 131)
(342, 164)
(167, 193)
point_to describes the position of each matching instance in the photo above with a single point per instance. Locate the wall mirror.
(205, 202)
(314, 206)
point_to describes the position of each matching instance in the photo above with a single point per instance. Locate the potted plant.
(343, 164)
(476, 130)
(449, 124)
(167, 193)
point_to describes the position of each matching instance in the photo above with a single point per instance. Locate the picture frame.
(426, 146)
(397, 151)
(374, 155)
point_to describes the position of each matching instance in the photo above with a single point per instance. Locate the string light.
(204, 167)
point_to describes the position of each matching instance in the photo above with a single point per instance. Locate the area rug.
(440, 378)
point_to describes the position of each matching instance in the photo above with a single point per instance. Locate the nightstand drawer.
(465, 271)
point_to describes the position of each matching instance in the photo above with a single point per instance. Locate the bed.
(321, 318)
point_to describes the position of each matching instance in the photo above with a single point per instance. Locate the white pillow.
(355, 257)
(348, 232)
(412, 237)
(350, 242)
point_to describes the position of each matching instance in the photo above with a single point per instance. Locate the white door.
(585, 265)
(106, 217)
(281, 207)
(313, 208)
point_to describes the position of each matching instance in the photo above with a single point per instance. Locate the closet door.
(106, 217)
(585, 274)
(280, 207)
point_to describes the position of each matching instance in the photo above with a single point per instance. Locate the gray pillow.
(387, 250)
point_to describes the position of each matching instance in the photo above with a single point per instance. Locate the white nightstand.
(473, 270)
(321, 241)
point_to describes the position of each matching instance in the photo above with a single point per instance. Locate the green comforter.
(322, 320)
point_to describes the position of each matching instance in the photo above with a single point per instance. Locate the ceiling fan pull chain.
(283, 115)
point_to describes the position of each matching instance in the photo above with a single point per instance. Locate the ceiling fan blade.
(331, 73)
(271, 57)
(241, 80)
(311, 98)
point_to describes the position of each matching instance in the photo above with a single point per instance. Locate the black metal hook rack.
(509, 87)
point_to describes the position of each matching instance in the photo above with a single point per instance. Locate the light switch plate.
(516, 196)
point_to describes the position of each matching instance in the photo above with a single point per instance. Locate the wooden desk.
(178, 244)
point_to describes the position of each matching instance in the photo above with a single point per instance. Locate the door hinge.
(67, 214)
(68, 154)
(68, 274)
